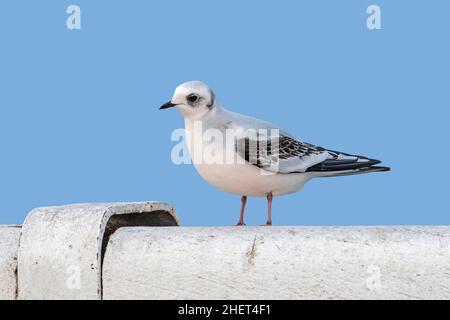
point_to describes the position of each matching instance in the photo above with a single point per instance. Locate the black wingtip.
(378, 169)
(342, 165)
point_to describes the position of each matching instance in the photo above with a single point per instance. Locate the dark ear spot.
(213, 98)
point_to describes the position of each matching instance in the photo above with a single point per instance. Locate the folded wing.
(285, 154)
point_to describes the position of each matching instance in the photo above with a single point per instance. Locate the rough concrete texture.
(278, 263)
(61, 248)
(9, 244)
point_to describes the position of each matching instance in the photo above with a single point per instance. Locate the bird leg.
(241, 217)
(269, 209)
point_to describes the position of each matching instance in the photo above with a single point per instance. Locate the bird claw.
(240, 224)
(267, 224)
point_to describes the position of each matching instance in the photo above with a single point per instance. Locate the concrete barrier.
(126, 251)
(61, 248)
(278, 263)
(9, 244)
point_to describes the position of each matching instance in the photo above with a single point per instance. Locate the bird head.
(193, 99)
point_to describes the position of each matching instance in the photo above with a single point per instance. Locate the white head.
(193, 99)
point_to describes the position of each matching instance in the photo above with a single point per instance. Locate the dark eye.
(192, 98)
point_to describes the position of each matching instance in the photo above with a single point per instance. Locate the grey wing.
(285, 154)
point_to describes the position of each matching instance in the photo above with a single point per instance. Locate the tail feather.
(357, 171)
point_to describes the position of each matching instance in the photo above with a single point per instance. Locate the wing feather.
(285, 154)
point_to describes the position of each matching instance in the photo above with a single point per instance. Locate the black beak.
(167, 105)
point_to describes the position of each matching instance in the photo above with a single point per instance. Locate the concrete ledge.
(278, 263)
(9, 244)
(125, 251)
(61, 248)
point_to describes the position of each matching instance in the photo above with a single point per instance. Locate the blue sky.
(79, 118)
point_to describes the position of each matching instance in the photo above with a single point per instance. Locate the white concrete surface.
(61, 248)
(278, 263)
(9, 244)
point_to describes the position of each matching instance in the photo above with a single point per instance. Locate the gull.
(266, 161)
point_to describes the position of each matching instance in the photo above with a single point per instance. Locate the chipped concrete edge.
(9, 245)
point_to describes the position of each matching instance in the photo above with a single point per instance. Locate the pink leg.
(269, 209)
(241, 217)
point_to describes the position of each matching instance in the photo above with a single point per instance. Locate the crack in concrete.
(252, 253)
